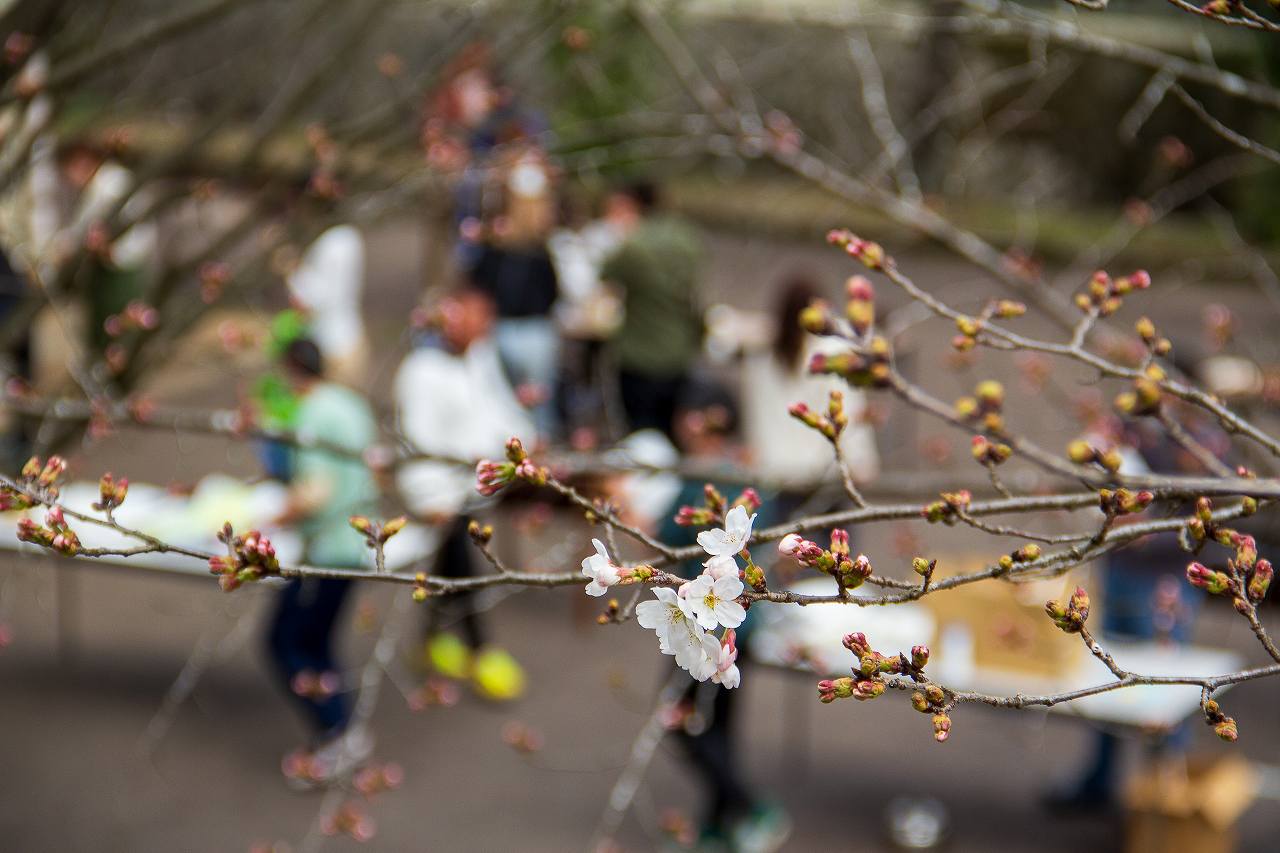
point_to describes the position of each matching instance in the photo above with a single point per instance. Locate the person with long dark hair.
(788, 456)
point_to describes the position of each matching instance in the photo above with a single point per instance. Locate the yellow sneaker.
(449, 656)
(497, 675)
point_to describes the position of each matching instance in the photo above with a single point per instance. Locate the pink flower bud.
(1260, 580)
(857, 643)
(1214, 583)
(790, 545)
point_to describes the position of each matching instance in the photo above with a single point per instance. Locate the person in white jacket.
(453, 401)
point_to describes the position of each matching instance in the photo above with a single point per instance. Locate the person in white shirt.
(453, 400)
(327, 286)
(787, 454)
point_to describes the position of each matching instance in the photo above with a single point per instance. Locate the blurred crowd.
(567, 319)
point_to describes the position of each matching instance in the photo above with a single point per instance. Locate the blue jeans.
(530, 351)
(300, 639)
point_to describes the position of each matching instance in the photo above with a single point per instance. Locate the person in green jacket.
(658, 268)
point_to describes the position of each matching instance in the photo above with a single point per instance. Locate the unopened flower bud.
(840, 541)
(919, 656)
(966, 408)
(968, 326)
(919, 702)
(515, 451)
(1007, 309)
(1145, 329)
(1260, 580)
(479, 533)
(941, 727)
(857, 643)
(1080, 452)
(935, 694)
(392, 527)
(361, 524)
(815, 318)
(1027, 553)
(831, 689)
(990, 394)
(790, 544)
(921, 566)
(868, 688)
(492, 476)
(1214, 583)
(1226, 729)
(1204, 509)
(1246, 551)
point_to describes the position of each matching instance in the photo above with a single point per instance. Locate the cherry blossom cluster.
(376, 534)
(1070, 617)
(868, 682)
(54, 533)
(948, 509)
(968, 328)
(984, 407)
(1144, 395)
(1116, 502)
(1082, 452)
(830, 424)
(1223, 726)
(988, 452)
(849, 572)
(714, 507)
(37, 477)
(685, 618)
(349, 819)
(111, 492)
(866, 369)
(1156, 343)
(1246, 578)
(249, 558)
(492, 477)
(1104, 295)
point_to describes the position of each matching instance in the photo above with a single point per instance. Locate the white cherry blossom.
(721, 567)
(726, 673)
(665, 612)
(733, 538)
(712, 601)
(603, 572)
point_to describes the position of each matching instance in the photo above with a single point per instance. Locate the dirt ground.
(87, 762)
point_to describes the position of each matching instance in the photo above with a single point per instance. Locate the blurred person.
(273, 399)
(69, 208)
(453, 400)
(119, 271)
(735, 818)
(587, 311)
(467, 118)
(787, 455)
(326, 489)
(327, 286)
(657, 267)
(514, 267)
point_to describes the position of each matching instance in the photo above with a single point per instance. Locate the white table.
(193, 522)
(817, 630)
